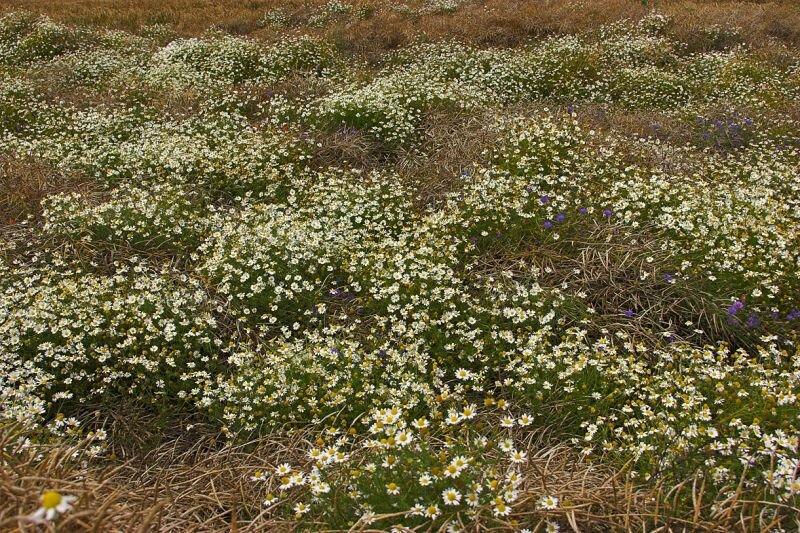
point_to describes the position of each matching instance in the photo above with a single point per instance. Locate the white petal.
(37, 516)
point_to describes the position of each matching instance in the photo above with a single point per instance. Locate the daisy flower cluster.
(632, 67)
(392, 468)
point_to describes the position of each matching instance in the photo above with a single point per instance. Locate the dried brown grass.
(452, 143)
(24, 182)
(486, 23)
(193, 481)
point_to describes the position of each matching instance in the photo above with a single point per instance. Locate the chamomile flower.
(548, 502)
(501, 509)
(517, 456)
(451, 497)
(52, 504)
(453, 417)
(432, 512)
(469, 412)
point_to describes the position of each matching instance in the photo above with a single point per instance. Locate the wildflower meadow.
(278, 280)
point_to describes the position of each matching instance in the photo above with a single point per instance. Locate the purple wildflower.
(735, 307)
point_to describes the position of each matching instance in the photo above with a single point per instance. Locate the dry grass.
(25, 182)
(488, 22)
(756, 22)
(193, 482)
(452, 142)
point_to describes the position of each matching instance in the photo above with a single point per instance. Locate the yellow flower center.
(51, 499)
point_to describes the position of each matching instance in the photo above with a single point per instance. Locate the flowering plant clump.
(142, 218)
(393, 468)
(629, 301)
(70, 335)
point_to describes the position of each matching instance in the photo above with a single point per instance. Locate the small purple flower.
(794, 314)
(608, 213)
(544, 199)
(583, 211)
(334, 351)
(560, 217)
(753, 321)
(668, 278)
(548, 224)
(529, 188)
(629, 312)
(735, 307)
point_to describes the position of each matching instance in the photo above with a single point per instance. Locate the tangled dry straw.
(194, 482)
